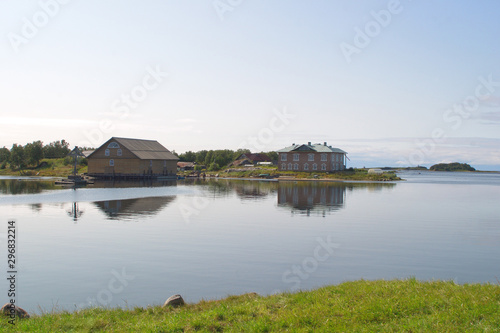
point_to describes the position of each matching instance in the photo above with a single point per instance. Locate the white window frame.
(113, 145)
(310, 157)
(315, 166)
(106, 152)
(324, 158)
(289, 166)
(283, 157)
(306, 166)
(112, 162)
(323, 166)
(296, 157)
(283, 166)
(296, 166)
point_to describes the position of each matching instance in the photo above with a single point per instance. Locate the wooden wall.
(127, 163)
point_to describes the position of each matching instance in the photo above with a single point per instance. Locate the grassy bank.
(351, 174)
(360, 306)
(53, 167)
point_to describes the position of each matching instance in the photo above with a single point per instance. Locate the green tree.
(272, 155)
(4, 155)
(56, 149)
(200, 156)
(188, 156)
(34, 152)
(17, 157)
(237, 153)
(213, 167)
(208, 158)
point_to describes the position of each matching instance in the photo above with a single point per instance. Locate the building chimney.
(309, 143)
(293, 144)
(324, 143)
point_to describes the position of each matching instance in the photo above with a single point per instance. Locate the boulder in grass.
(175, 301)
(8, 309)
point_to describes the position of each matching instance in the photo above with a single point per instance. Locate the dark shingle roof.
(317, 147)
(145, 149)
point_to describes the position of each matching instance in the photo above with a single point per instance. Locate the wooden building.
(132, 158)
(251, 159)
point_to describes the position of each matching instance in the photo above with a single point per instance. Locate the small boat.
(73, 181)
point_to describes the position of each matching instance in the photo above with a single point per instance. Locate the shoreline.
(361, 305)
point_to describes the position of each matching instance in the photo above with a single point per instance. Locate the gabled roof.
(317, 147)
(185, 164)
(143, 149)
(256, 157)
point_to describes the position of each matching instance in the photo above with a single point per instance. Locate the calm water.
(136, 244)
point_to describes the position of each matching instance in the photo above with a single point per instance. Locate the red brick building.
(311, 158)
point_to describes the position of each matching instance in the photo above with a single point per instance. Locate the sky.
(393, 83)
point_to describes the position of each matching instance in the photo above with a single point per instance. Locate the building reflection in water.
(131, 209)
(306, 198)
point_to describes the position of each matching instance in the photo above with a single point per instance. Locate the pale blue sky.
(228, 77)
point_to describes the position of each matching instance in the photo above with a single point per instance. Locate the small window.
(323, 157)
(289, 166)
(315, 166)
(295, 157)
(111, 162)
(306, 166)
(310, 157)
(119, 152)
(323, 166)
(283, 157)
(150, 163)
(106, 152)
(283, 166)
(165, 163)
(296, 166)
(113, 145)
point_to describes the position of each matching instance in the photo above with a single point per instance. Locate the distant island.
(455, 166)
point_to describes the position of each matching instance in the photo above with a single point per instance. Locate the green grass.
(359, 306)
(54, 167)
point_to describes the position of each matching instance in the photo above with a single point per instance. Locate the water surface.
(133, 244)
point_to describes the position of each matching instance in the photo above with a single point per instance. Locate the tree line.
(20, 157)
(30, 155)
(215, 160)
